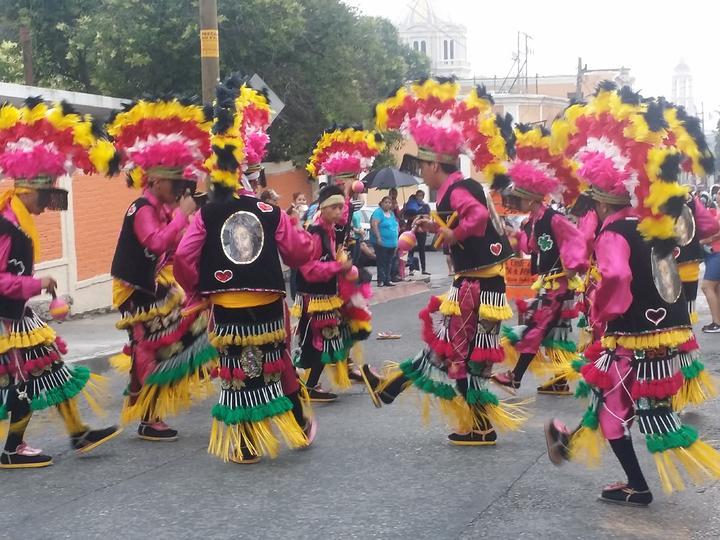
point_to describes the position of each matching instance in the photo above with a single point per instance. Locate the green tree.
(324, 60)
(11, 68)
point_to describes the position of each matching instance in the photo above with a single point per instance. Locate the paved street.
(370, 474)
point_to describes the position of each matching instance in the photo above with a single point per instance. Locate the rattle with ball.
(358, 186)
(59, 308)
(407, 241)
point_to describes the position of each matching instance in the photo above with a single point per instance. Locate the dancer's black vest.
(324, 288)
(219, 273)
(648, 312)
(20, 263)
(477, 251)
(547, 258)
(133, 263)
(693, 251)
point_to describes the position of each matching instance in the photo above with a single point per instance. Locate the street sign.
(276, 104)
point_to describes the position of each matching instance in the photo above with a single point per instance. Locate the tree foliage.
(324, 60)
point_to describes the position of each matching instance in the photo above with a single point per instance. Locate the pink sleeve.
(155, 235)
(521, 238)
(473, 216)
(612, 295)
(295, 244)
(11, 285)
(707, 225)
(587, 225)
(571, 243)
(317, 271)
(187, 257)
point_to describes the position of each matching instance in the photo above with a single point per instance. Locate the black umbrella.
(389, 177)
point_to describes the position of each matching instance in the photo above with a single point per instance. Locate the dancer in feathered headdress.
(163, 144)
(620, 144)
(453, 368)
(331, 323)
(230, 255)
(38, 145)
(559, 254)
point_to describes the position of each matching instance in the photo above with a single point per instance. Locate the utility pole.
(209, 49)
(578, 80)
(26, 46)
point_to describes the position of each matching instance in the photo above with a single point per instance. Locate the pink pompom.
(358, 186)
(353, 274)
(407, 241)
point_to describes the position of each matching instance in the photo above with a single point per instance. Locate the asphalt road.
(370, 474)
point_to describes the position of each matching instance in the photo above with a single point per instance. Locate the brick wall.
(99, 206)
(48, 225)
(288, 182)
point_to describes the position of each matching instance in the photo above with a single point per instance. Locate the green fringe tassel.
(568, 346)
(332, 358)
(582, 321)
(583, 389)
(578, 363)
(230, 416)
(169, 376)
(3, 413)
(693, 370)
(424, 383)
(476, 396)
(590, 419)
(508, 332)
(682, 438)
(55, 396)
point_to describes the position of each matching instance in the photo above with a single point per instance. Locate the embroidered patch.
(223, 276)
(496, 248)
(676, 252)
(264, 207)
(545, 242)
(19, 265)
(656, 316)
(131, 210)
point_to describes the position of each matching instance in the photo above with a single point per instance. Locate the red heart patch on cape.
(223, 276)
(656, 316)
(264, 207)
(496, 248)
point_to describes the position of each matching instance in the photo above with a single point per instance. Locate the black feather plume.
(500, 182)
(605, 85)
(670, 168)
(33, 101)
(673, 206)
(628, 96)
(654, 117)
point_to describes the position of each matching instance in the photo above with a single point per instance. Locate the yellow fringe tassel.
(155, 401)
(449, 307)
(121, 363)
(357, 326)
(694, 317)
(221, 342)
(495, 313)
(586, 446)
(70, 414)
(296, 309)
(537, 365)
(324, 304)
(695, 391)
(43, 335)
(308, 411)
(338, 375)
(505, 416)
(173, 300)
(585, 338)
(258, 437)
(700, 461)
(670, 338)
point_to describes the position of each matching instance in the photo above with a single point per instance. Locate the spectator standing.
(384, 229)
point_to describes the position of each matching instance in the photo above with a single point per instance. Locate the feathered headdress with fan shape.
(39, 143)
(618, 142)
(228, 146)
(444, 127)
(165, 138)
(345, 151)
(537, 171)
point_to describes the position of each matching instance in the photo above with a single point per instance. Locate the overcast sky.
(648, 37)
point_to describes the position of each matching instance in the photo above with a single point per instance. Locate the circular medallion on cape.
(666, 277)
(242, 237)
(685, 226)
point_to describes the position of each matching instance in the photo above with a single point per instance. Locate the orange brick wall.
(48, 225)
(99, 205)
(288, 182)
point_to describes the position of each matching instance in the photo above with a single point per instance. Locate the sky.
(649, 37)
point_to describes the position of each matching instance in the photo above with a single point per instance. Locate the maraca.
(407, 241)
(59, 308)
(358, 186)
